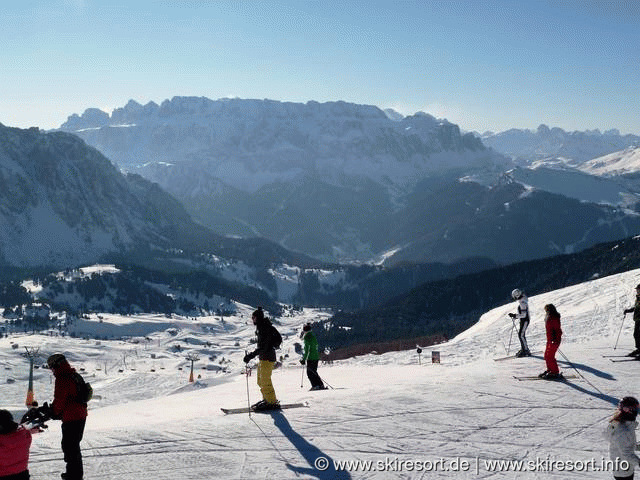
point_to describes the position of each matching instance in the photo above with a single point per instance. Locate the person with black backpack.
(269, 339)
(69, 405)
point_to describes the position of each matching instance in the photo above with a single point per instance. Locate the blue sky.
(485, 65)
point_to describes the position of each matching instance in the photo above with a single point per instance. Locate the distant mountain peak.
(527, 146)
(393, 115)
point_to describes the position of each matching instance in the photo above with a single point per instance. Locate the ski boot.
(553, 376)
(635, 353)
(544, 374)
(267, 406)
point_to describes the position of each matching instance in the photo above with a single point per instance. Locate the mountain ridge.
(343, 182)
(63, 203)
(263, 140)
(576, 147)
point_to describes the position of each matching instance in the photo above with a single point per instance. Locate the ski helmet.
(516, 293)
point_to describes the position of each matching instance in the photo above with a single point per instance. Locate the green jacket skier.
(310, 357)
(310, 345)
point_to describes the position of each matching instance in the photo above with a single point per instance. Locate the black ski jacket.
(266, 338)
(635, 310)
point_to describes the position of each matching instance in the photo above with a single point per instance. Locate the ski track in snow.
(384, 407)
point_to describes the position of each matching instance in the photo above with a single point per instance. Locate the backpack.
(84, 390)
(276, 338)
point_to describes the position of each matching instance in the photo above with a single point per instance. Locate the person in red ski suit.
(15, 441)
(73, 414)
(554, 336)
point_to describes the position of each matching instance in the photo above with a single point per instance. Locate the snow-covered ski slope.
(410, 420)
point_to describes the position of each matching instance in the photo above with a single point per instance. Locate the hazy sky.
(486, 65)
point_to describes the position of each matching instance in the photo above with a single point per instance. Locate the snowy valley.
(391, 409)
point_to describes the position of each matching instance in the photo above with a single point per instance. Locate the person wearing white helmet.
(523, 315)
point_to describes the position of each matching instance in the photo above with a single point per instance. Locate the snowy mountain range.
(248, 144)
(527, 146)
(589, 166)
(345, 182)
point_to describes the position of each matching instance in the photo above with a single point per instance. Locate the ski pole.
(578, 372)
(323, 381)
(246, 374)
(513, 327)
(624, 315)
(302, 376)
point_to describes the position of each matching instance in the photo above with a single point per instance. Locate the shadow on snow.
(310, 453)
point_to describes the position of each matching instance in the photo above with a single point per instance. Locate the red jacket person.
(15, 441)
(73, 413)
(554, 337)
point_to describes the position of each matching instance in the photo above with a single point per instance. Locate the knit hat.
(7, 425)
(306, 327)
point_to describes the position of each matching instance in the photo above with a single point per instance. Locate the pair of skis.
(284, 406)
(621, 358)
(536, 377)
(511, 357)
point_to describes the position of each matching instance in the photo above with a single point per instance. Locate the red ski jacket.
(65, 406)
(14, 452)
(554, 332)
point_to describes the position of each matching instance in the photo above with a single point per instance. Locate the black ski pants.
(72, 433)
(636, 334)
(524, 323)
(312, 373)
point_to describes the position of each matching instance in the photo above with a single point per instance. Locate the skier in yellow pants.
(265, 367)
(268, 340)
